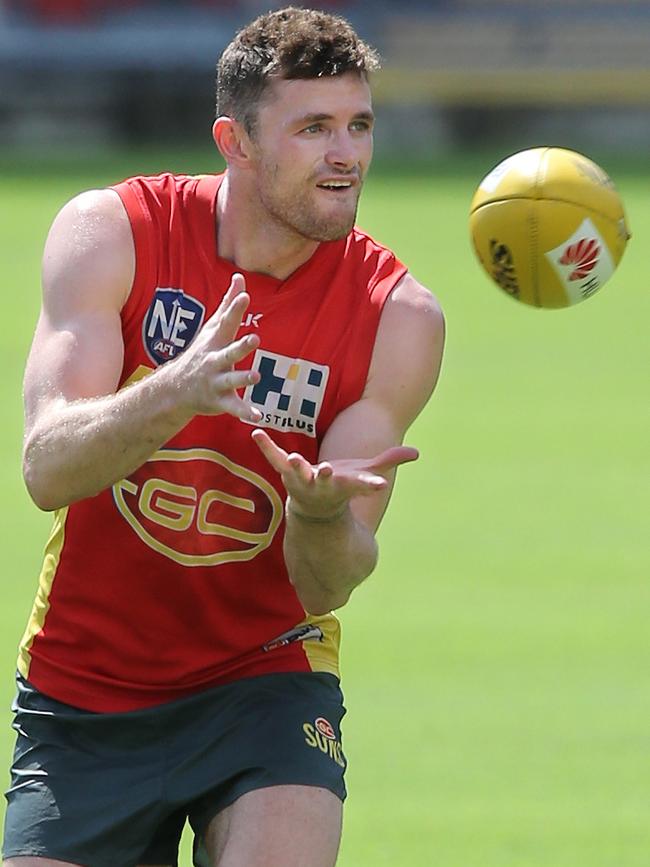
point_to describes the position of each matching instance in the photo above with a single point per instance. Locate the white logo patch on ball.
(582, 262)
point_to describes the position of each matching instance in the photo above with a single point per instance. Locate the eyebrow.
(315, 117)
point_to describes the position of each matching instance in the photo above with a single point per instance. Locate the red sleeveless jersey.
(174, 579)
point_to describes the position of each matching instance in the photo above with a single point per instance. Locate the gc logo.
(198, 508)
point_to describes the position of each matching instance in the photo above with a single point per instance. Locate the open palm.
(323, 489)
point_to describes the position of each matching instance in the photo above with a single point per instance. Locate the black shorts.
(115, 790)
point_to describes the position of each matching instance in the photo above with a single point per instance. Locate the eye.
(313, 128)
(360, 126)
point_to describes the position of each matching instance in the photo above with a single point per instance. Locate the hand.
(323, 491)
(204, 374)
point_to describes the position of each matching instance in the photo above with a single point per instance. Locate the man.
(219, 385)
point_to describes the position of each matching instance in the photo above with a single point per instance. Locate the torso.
(174, 580)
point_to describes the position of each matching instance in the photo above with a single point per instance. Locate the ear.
(233, 141)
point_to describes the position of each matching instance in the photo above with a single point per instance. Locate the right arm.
(80, 435)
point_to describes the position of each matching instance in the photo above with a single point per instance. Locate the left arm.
(334, 509)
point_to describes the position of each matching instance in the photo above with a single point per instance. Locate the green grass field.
(496, 666)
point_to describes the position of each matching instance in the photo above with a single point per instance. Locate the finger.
(302, 468)
(232, 380)
(324, 471)
(231, 319)
(237, 287)
(237, 283)
(236, 351)
(393, 457)
(368, 490)
(276, 456)
(227, 318)
(235, 406)
(370, 480)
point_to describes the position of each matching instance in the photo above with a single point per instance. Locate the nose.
(342, 152)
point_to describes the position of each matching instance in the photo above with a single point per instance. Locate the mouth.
(338, 185)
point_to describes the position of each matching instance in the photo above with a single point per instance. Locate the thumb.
(394, 457)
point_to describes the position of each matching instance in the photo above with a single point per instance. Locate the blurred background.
(496, 666)
(457, 73)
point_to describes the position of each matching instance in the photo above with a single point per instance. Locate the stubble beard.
(298, 212)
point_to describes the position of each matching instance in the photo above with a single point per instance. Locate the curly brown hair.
(289, 43)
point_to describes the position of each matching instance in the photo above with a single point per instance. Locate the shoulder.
(164, 186)
(407, 354)
(90, 244)
(89, 214)
(371, 256)
(411, 312)
(410, 297)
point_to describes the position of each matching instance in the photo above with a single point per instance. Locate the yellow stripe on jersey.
(46, 579)
(324, 655)
(139, 373)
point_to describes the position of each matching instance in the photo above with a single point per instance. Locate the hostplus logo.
(171, 323)
(290, 392)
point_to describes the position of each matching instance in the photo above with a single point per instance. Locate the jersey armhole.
(141, 227)
(362, 338)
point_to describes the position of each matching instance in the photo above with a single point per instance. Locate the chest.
(305, 325)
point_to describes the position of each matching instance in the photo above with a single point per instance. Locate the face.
(311, 150)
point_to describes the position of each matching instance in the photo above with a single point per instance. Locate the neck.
(252, 239)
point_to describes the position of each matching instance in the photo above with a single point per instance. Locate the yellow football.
(548, 226)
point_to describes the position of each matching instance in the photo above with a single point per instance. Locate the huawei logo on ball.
(584, 254)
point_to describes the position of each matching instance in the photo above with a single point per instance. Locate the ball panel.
(514, 178)
(572, 177)
(505, 238)
(552, 173)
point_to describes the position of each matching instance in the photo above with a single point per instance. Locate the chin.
(327, 232)
(330, 228)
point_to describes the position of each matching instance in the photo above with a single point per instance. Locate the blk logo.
(290, 392)
(171, 324)
(252, 320)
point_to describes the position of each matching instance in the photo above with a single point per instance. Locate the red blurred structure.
(85, 12)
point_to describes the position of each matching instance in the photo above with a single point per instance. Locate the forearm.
(77, 449)
(327, 559)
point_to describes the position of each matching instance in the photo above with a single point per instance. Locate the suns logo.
(325, 728)
(584, 255)
(321, 735)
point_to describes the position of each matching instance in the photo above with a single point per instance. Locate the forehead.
(345, 95)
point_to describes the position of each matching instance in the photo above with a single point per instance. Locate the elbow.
(321, 590)
(38, 487)
(318, 604)
(317, 598)
(41, 497)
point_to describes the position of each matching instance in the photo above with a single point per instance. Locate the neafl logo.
(198, 508)
(582, 262)
(171, 323)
